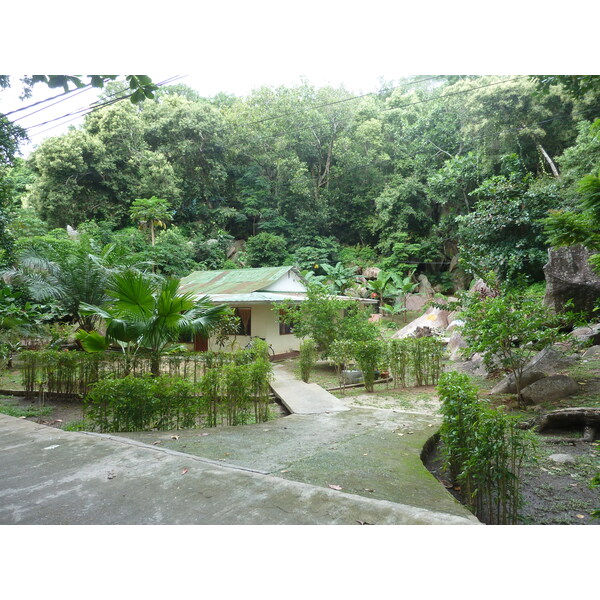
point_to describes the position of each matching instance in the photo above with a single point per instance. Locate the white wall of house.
(264, 324)
(290, 282)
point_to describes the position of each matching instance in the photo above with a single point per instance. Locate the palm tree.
(151, 212)
(146, 312)
(69, 278)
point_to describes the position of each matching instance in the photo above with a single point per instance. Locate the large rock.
(456, 343)
(371, 272)
(570, 277)
(549, 361)
(549, 389)
(415, 301)
(433, 318)
(425, 288)
(475, 366)
(508, 385)
(592, 352)
(236, 247)
(454, 323)
(482, 288)
(589, 333)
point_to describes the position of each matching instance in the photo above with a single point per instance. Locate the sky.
(235, 46)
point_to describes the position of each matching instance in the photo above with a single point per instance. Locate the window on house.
(245, 316)
(284, 328)
(186, 337)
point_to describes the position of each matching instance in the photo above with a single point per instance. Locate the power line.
(80, 91)
(90, 109)
(380, 92)
(469, 91)
(12, 112)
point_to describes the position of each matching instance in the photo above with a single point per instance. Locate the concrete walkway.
(50, 476)
(303, 398)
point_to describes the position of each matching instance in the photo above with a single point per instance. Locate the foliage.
(150, 213)
(426, 359)
(509, 328)
(325, 318)
(416, 360)
(358, 255)
(580, 225)
(70, 275)
(484, 450)
(231, 393)
(595, 482)
(410, 361)
(151, 314)
(409, 176)
(227, 328)
(173, 401)
(368, 355)
(503, 232)
(337, 277)
(265, 250)
(319, 251)
(212, 253)
(172, 254)
(308, 358)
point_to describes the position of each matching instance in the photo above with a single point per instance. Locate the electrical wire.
(378, 93)
(12, 112)
(469, 91)
(90, 109)
(78, 91)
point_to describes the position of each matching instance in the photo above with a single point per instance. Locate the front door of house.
(200, 343)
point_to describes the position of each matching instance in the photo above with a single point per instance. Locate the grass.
(10, 408)
(10, 380)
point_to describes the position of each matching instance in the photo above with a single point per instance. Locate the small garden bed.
(553, 493)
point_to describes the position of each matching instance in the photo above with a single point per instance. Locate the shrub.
(397, 355)
(368, 355)
(483, 449)
(230, 393)
(266, 250)
(128, 404)
(426, 359)
(308, 358)
(510, 328)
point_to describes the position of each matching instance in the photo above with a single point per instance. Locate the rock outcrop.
(587, 334)
(508, 385)
(570, 277)
(549, 389)
(433, 318)
(549, 361)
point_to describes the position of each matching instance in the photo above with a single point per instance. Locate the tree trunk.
(549, 161)
(155, 365)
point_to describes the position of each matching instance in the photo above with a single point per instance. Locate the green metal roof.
(235, 281)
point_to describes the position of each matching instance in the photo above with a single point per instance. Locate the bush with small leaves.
(308, 358)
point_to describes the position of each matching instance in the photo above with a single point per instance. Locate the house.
(254, 294)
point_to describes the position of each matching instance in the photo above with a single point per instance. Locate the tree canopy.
(429, 170)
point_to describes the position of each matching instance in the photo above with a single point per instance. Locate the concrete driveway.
(50, 476)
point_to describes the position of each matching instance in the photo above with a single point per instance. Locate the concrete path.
(50, 476)
(303, 398)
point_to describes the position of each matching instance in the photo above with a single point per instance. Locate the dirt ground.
(553, 493)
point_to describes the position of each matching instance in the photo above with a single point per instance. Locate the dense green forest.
(448, 176)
